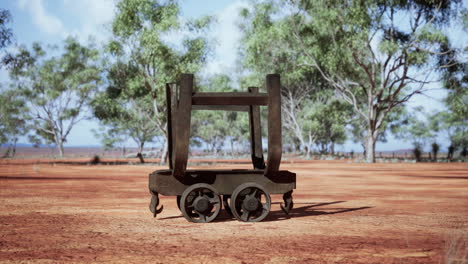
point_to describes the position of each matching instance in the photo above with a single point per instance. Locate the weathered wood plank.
(256, 134)
(273, 84)
(240, 98)
(182, 135)
(240, 108)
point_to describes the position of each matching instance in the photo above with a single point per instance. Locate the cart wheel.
(178, 201)
(288, 202)
(250, 202)
(226, 204)
(200, 203)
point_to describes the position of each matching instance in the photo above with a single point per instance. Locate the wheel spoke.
(244, 192)
(202, 216)
(204, 195)
(243, 199)
(190, 198)
(254, 194)
(213, 201)
(245, 215)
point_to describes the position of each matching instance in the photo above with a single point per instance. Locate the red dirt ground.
(344, 213)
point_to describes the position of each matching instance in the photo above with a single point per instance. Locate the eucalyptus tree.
(455, 121)
(111, 138)
(57, 88)
(212, 128)
(419, 132)
(417, 127)
(332, 117)
(452, 122)
(123, 109)
(142, 61)
(376, 54)
(395, 122)
(215, 128)
(267, 46)
(6, 33)
(14, 119)
(12, 109)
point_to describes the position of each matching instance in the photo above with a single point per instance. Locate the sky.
(51, 21)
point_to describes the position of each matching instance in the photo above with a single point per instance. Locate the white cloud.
(46, 22)
(227, 35)
(94, 17)
(91, 16)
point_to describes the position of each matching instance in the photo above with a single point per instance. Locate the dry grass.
(456, 246)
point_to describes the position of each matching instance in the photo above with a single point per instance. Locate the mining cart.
(245, 194)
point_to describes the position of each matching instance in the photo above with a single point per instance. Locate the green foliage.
(457, 105)
(13, 116)
(110, 138)
(418, 128)
(451, 126)
(417, 152)
(136, 16)
(57, 88)
(216, 127)
(328, 121)
(435, 150)
(6, 33)
(6, 36)
(419, 132)
(142, 62)
(453, 122)
(369, 51)
(311, 112)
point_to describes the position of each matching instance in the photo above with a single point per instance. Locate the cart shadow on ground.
(311, 209)
(39, 178)
(302, 209)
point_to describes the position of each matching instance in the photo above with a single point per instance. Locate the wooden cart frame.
(245, 193)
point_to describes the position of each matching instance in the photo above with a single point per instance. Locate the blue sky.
(50, 21)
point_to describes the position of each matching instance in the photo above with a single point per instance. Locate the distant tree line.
(348, 69)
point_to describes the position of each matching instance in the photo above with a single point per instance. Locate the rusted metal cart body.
(245, 193)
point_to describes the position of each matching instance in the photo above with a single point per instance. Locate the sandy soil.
(344, 213)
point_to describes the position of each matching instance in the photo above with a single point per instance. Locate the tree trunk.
(215, 150)
(140, 152)
(332, 148)
(60, 149)
(297, 148)
(309, 145)
(435, 150)
(164, 155)
(7, 152)
(307, 152)
(232, 148)
(13, 151)
(124, 151)
(302, 145)
(323, 148)
(370, 147)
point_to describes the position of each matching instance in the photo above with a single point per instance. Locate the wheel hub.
(201, 204)
(251, 204)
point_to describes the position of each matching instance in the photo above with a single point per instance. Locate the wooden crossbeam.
(240, 98)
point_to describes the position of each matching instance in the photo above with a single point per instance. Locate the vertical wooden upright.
(256, 134)
(273, 85)
(170, 126)
(182, 125)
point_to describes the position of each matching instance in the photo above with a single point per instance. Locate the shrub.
(417, 152)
